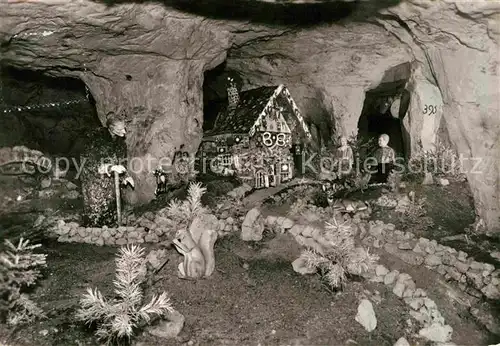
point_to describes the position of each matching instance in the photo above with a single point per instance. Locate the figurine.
(385, 157)
(193, 265)
(161, 181)
(345, 157)
(198, 251)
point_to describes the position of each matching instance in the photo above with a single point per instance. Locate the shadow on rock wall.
(280, 13)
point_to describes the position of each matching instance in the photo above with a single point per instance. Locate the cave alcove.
(44, 113)
(215, 92)
(384, 109)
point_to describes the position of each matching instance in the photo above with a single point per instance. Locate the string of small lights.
(33, 107)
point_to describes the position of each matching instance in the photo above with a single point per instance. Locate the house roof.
(251, 104)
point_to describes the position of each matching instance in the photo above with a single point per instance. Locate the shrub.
(19, 269)
(441, 161)
(342, 258)
(182, 213)
(118, 318)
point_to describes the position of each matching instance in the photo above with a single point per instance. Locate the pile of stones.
(474, 278)
(423, 309)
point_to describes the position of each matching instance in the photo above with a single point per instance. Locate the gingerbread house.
(255, 136)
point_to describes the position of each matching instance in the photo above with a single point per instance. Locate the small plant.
(182, 213)
(118, 318)
(121, 178)
(19, 269)
(415, 216)
(342, 259)
(441, 161)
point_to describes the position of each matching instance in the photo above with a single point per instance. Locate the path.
(255, 198)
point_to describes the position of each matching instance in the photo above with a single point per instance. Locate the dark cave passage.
(215, 92)
(377, 116)
(52, 115)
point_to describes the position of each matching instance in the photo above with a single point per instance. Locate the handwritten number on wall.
(430, 109)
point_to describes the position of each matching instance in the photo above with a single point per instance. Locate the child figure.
(345, 157)
(385, 157)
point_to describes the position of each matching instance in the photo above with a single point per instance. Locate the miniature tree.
(117, 318)
(19, 268)
(342, 257)
(121, 178)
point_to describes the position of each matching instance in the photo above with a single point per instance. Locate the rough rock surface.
(98, 190)
(146, 62)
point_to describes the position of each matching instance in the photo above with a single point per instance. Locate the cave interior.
(44, 113)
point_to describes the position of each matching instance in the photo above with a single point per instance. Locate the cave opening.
(215, 85)
(48, 114)
(383, 111)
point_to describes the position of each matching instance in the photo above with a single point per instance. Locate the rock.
(402, 342)
(405, 246)
(444, 182)
(170, 328)
(399, 289)
(380, 270)
(251, 229)
(491, 291)
(45, 183)
(407, 256)
(366, 315)
(391, 277)
(71, 186)
(462, 256)
(437, 333)
(433, 260)
(415, 303)
(299, 266)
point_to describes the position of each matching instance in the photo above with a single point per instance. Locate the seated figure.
(345, 157)
(385, 158)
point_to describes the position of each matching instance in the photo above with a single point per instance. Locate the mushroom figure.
(121, 178)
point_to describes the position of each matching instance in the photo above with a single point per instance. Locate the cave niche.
(384, 109)
(48, 114)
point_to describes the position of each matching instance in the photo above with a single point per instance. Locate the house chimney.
(233, 98)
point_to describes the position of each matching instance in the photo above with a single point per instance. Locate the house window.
(225, 160)
(285, 172)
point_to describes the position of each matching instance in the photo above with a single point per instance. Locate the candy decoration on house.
(233, 97)
(253, 139)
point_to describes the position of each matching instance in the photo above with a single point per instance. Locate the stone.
(380, 270)
(402, 342)
(409, 292)
(462, 256)
(476, 278)
(491, 291)
(366, 315)
(437, 333)
(462, 267)
(251, 230)
(411, 258)
(419, 293)
(444, 182)
(405, 246)
(391, 277)
(399, 289)
(415, 303)
(300, 266)
(170, 328)
(433, 260)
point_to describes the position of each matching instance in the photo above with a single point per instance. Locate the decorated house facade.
(255, 135)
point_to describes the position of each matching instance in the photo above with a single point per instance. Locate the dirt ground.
(254, 296)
